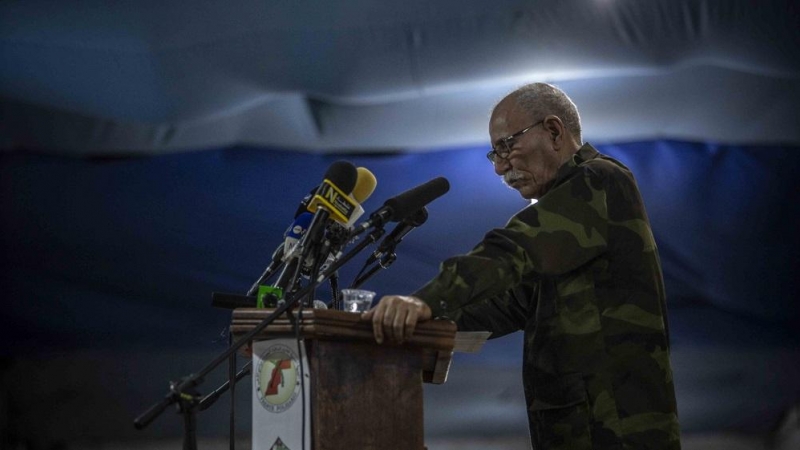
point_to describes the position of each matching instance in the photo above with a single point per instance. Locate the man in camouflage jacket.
(578, 271)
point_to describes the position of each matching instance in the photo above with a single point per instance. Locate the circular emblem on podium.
(277, 378)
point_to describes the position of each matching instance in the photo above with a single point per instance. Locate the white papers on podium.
(470, 341)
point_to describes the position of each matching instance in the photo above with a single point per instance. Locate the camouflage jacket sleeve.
(503, 314)
(564, 230)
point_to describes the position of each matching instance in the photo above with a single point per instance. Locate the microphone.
(402, 205)
(365, 186)
(329, 202)
(295, 232)
(338, 235)
(303, 206)
(389, 243)
(332, 196)
(340, 176)
(285, 251)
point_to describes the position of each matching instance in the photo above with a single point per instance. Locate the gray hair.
(541, 99)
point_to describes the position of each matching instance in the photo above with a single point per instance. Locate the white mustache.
(511, 176)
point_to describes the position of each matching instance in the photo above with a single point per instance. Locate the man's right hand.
(396, 317)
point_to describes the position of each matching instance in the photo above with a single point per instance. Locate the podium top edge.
(332, 324)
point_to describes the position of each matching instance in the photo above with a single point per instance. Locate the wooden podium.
(363, 395)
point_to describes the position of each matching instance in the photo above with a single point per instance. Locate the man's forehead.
(505, 115)
(505, 106)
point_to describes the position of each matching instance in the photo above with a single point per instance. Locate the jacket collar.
(585, 153)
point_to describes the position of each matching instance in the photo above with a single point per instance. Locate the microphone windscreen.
(365, 184)
(333, 195)
(343, 175)
(413, 199)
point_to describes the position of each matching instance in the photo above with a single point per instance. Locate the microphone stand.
(276, 263)
(184, 392)
(336, 302)
(232, 412)
(386, 260)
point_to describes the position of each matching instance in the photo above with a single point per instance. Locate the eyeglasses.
(502, 147)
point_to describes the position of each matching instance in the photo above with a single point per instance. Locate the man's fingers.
(388, 322)
(395, 318)
(411, 323)
(417, 313)
(399, 325)
(377, 321)
(368, 316)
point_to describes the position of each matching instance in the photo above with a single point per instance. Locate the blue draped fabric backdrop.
(124, 254)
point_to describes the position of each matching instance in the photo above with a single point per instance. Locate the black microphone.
(331, 200)
(401, 206)
(389, 243)
(339, 234)
(365, 185)
(333, 195)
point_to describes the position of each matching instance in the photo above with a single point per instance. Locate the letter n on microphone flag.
(281, 412)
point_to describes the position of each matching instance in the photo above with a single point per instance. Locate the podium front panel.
(366, 396)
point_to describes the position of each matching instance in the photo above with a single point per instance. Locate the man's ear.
(555, 128)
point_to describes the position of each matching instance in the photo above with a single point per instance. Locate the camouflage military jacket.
(579, 272)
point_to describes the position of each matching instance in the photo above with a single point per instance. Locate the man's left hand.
(396, 316)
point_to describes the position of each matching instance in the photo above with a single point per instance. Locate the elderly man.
(578, 271)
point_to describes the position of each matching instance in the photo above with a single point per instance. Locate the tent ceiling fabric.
(98, 77)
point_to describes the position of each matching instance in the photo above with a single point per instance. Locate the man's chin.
(528, 194)
(522, 189)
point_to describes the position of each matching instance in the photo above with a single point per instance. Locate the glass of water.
(357, 300)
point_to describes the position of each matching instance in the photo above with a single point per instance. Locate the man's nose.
(501, 166)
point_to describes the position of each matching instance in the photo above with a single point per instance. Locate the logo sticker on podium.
(279, 445)
(278, 383)
(281, 406)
